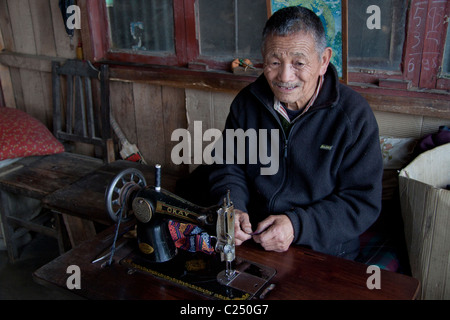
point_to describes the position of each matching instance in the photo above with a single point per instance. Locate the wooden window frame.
(419, 50)
(187, 47)
(187, 61)
(182, 25)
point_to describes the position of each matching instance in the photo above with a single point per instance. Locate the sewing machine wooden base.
(197, 272)
(301, 274)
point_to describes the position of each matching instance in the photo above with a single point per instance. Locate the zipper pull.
(285, 148)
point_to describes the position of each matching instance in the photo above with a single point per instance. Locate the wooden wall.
(32, 34)
(148, 114)
(33, 28)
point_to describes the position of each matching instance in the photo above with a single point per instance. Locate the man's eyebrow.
(298, 54)
(293, 54)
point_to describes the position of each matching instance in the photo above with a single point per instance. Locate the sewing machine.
(129, 195)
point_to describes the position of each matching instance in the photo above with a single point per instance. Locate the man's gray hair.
(295, 19)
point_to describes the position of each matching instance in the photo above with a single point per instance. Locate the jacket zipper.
(285, 148)
(283, 181)
(285, 165)
(285, 156)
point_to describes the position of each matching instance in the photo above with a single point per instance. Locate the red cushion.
(21, 135)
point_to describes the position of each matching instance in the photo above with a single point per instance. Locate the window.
(182, 32)
(406, 49)
(230, 29)
(146, 26)
(378, 46)
(398, 44)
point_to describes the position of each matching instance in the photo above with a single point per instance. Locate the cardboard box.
(425, 205)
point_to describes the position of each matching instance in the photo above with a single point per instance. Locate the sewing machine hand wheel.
(119, 190)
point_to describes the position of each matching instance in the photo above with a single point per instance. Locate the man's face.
(292, 67)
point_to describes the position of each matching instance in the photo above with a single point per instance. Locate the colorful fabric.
(378, 250)
(190, 237)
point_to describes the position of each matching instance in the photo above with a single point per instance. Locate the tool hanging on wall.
(129, 151)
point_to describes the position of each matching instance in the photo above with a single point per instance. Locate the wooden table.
(300, 273)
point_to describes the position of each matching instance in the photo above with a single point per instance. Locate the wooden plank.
(33, 94)
(5, 26)
(221, 107)
(122, 106)
(28, 61)
(69, 105)
(34, 225)
(45, 175)
(2, 99)
(79, 230)
(89, 108)
(407, 105)
(47, 103)
(174, 112)
(80, 128)
(34, 183)
(43, 27)
(17, 88)
(22, 26)
(6, 90)
(149, 122)
(68, 163)
(199, 108)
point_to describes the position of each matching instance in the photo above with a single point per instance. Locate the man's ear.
(325, 60)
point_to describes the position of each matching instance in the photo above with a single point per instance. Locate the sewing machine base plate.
(199, 272)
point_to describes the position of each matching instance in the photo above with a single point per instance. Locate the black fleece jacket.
(330, 167)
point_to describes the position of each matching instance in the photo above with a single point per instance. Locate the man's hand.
(242, 227)
(275, 233)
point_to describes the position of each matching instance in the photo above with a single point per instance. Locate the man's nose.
(286, 73)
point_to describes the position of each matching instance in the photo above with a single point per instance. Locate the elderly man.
(327, 189)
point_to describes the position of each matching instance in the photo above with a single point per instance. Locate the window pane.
(372, 44)
(141, 25)
(446, 60)
(232, 28)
